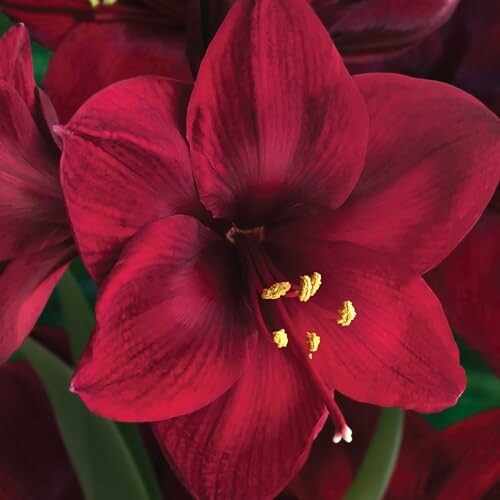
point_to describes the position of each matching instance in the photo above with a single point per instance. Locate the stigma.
(347, 313)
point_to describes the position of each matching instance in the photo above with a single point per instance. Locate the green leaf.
(78, 318)
(41, 58)
(100, 457)
(378, 464)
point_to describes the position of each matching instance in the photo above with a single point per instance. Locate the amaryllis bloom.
(33, 462)
(259, 239)
(101, 42)
(367, 28)
(51, 20)
(35, 243)
(462, 461)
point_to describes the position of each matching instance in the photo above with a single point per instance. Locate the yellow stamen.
(96, 3)
(280, 338)
(276, 290)
(347, 313)
(305, 288)
(315, 283)
(109, 2)
(313, 340)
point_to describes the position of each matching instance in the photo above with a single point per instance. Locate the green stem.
(378, 464)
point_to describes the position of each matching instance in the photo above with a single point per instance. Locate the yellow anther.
(315, 283)
(305, 288)
(313, 340)
(96, 3)
(280, 338)
(347, 313)
(276, 290)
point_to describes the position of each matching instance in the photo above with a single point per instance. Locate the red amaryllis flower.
(462, 461)
(33, 461)
(110, 40)
(51, 20)
(366, 28)
(35, 243)
(303, 177)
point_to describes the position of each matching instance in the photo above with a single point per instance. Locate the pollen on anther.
(347, 313)
(96, 3)
(305, 288)
(315, 283)
(276, 290)
(313, 340)
(280, 338)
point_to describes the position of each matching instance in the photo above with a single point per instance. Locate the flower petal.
(26, 284)
(16, 67)
(33, 462)
(274, 119)
(398, 351)
(253, 439)
(172, 330)
(107, 53)
(49, 22)
(428, 176)
(32, 213)
(467, 285)
(375, 27)
(125, 148)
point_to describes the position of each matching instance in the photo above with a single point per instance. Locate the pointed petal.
(33, 462)
(274, 119)
(26, 284)
(125, 148)
(130, 50)
(398, 351)
(467, 284)
(16, 67)
(376, 27)
(438, 163)
(251, 441)
(172, 332)
(32, 213)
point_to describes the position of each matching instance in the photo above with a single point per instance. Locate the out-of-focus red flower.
(462, 461)
(33, 463)
(35, 244)
(364, 28)
(51, 20)
(368, 181)
(97, 46)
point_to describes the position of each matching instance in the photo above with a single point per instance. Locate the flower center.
(266, 283)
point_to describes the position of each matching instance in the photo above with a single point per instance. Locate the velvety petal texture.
(110, 52)
(376, 27)
(172, 332)
(254, 438)
(125, 163)
(398, 351)
(26, 284)
(417, 201)
(275, 121)
(33, 464)
(468, 285)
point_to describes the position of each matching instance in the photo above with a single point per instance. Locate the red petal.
(251, 441)
(274, 118)
(25, 286)
(107, 53)
(124, 149)
(428, 176)
(33, 462)
(32, 213)
(398, 351)
(49, 22)
(16, 67)
(467, 283)
(171, 333)
(372, 27)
